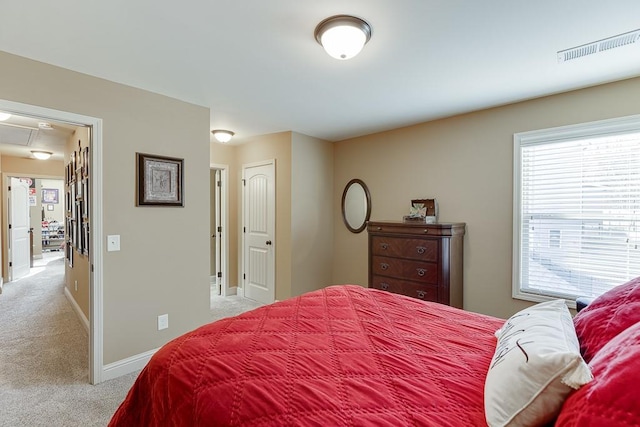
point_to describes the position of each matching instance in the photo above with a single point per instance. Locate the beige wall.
(465, 162)
(163, 265)
(274, 146)
(311, 213)
(29, 168)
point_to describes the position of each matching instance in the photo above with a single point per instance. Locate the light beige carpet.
(44, 354)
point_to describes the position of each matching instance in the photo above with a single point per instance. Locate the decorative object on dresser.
(416, 259)
(423, 211)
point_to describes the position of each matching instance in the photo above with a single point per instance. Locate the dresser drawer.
(387, 284)
(419, 249)
(426, 292)
(425, 272)
(423, 292)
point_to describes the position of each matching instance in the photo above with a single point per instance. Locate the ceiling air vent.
(16, 134)
(599, 46)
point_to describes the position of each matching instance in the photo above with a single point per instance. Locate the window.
(576, 209)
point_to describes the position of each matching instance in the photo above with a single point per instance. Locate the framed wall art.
(159, 180)
(49, 195)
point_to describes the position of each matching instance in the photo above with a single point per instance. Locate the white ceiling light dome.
(4, 116)
(343, 36)
(222, 135)
(41, 155)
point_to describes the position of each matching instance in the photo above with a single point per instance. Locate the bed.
(340, 356)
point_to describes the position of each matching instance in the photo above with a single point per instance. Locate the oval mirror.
(356, 205)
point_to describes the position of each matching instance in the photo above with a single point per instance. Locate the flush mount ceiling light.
(222, 135)
(4, 116)
(41, 155)
(343, 36)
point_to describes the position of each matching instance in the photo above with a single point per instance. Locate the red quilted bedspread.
(340, 356)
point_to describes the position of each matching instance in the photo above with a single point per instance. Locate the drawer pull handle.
(422, 294)
(421, 271)
(384, 246)
(426, 231)
(384, 286)
(384, 265)
(421, 249)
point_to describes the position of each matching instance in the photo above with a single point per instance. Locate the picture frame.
(159, 180)
(50, 195)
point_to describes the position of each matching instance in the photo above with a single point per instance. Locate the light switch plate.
(163, 321)
(113, 242)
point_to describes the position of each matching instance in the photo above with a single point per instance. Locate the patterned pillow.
(613, 397)
(536, 365)
(607, 316)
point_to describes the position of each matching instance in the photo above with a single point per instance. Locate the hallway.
(44, 354)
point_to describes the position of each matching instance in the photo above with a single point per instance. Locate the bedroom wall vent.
(599, 46)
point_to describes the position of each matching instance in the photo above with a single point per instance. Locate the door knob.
(268, 242)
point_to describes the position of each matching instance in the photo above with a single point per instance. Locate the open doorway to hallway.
(53, 202)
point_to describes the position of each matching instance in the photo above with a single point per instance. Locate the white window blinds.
(577, 213)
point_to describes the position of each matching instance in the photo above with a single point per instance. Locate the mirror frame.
(362, 226)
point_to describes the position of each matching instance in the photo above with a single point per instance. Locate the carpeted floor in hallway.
(44, 371)
(44, 379)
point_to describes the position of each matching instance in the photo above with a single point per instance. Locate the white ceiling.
(20, 135)
(257, 66)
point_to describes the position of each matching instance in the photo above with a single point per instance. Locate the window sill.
(526, 296)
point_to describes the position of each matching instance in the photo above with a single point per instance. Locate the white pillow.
(536, 365)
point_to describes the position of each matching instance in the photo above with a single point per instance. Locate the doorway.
(95, 212)
(19, 229)
(218, 232)
(35, 222)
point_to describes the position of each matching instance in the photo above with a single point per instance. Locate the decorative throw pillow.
(613, 397)
(607, 316)
(536, 364)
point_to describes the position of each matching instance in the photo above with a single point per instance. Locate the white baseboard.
(83, 319)
(126, 366)
(121, 367)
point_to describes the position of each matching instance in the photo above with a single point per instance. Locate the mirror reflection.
(356, 205)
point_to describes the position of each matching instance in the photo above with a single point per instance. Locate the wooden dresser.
(417, 259)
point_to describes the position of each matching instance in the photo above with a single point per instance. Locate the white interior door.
(19, 242)
(259, 231)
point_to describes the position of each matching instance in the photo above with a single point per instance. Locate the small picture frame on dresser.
(424, 211)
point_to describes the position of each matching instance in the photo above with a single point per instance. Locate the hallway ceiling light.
(222, 135)
(343, 36)
(41, 155)
(4, 116)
